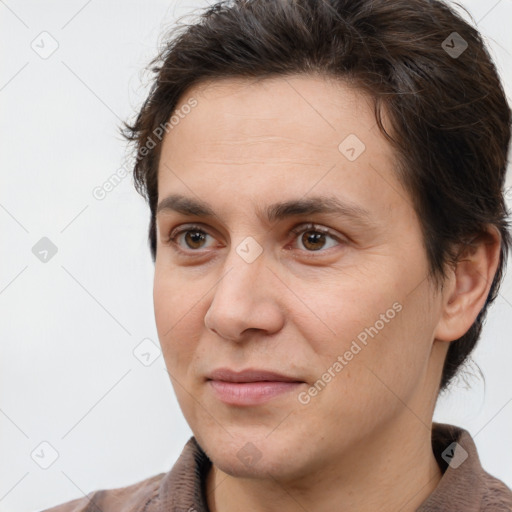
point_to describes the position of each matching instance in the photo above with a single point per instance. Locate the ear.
(468, 285)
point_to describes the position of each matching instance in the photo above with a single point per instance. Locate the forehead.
(279, 136)
(298, 108)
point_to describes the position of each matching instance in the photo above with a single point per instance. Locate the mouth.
(251, 386)
(250, 393)
(249, 375)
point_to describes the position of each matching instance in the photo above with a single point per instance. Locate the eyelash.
(170, 240)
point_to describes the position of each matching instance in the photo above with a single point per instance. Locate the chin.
(248, 455)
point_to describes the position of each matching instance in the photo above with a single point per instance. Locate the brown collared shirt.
(464, 487)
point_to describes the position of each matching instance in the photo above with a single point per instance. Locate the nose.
(245, 299)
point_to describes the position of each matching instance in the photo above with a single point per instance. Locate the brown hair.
(447, 108)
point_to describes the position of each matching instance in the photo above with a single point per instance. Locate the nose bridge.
(244, 266)
(241, 299)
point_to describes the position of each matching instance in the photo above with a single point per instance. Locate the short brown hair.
(449, 114)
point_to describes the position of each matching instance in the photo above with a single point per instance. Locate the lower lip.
(250, 393)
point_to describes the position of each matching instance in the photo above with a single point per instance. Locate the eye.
(314, 237)
(193, 237)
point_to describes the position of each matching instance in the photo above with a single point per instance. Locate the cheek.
(178, 320)
(388, 360)
(343, 311)
(173, 300)
(376, 332)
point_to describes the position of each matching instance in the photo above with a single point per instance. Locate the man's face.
(343, 307)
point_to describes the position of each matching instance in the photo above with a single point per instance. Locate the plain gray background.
(71, 326)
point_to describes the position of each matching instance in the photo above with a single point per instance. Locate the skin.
(294, 309)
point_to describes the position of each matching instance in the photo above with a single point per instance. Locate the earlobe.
(468, 286)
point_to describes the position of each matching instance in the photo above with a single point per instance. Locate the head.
(252, 106)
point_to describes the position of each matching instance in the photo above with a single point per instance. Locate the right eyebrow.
(276, 211)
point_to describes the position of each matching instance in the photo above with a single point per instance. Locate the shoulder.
(130, 498)
(181, 486)
(465, 485)
(497, 497)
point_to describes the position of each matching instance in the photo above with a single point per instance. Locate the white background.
(68, 375)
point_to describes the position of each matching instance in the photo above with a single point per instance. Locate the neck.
(396, 470)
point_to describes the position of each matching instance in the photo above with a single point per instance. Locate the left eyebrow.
(318, 204)
(276, 211)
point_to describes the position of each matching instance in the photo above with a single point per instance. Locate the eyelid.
(184, 227)
(300, 228)
(311, 226)
(169, 240)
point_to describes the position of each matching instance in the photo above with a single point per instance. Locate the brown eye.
(188, 238)
(313, 240)
(194, 238)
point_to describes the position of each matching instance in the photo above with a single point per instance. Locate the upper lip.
(249, 375)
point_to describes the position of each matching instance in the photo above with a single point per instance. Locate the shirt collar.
(462, 484)
(183, 489)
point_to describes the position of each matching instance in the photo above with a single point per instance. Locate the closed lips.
(249, 375)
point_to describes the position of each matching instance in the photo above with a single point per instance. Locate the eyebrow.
(276, 211)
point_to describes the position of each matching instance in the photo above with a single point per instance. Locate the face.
(306, 260)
